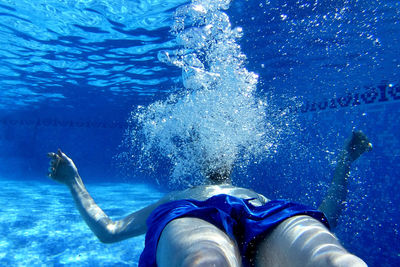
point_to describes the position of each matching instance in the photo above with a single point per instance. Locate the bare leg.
(333, 203)
(303, 241)
(195, 242)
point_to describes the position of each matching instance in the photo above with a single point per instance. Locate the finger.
(52, 155)
(51, 169)
(54, 162)
(370, 146)
(62, 154)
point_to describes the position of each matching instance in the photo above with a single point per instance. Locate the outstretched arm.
(63, 170)
(333, 203)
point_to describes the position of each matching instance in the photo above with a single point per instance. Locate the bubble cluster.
(215, 120)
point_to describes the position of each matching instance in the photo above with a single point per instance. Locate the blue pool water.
(46, 230)
(123, 90)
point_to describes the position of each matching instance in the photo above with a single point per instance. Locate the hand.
(62, 169)
(357, 145)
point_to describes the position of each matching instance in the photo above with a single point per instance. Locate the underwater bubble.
(215, 121)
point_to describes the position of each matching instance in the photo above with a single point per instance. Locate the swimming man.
(223, 225)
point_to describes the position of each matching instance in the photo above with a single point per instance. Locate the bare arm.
(63, 170)
(333, 203)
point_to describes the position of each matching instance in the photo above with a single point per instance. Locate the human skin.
(297, 241)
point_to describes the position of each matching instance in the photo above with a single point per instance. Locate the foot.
(357, 145)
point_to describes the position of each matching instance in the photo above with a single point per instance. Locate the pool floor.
(40, 225)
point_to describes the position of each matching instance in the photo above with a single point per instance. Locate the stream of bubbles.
(215, 119)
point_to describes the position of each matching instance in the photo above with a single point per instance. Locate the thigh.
(195, 242)
(303, 241)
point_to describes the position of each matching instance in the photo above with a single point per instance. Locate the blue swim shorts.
(237, 217)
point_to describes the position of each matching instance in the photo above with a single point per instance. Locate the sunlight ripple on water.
(51, 45)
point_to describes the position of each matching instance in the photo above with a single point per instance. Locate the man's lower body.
(227, 231)
(298, 241)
